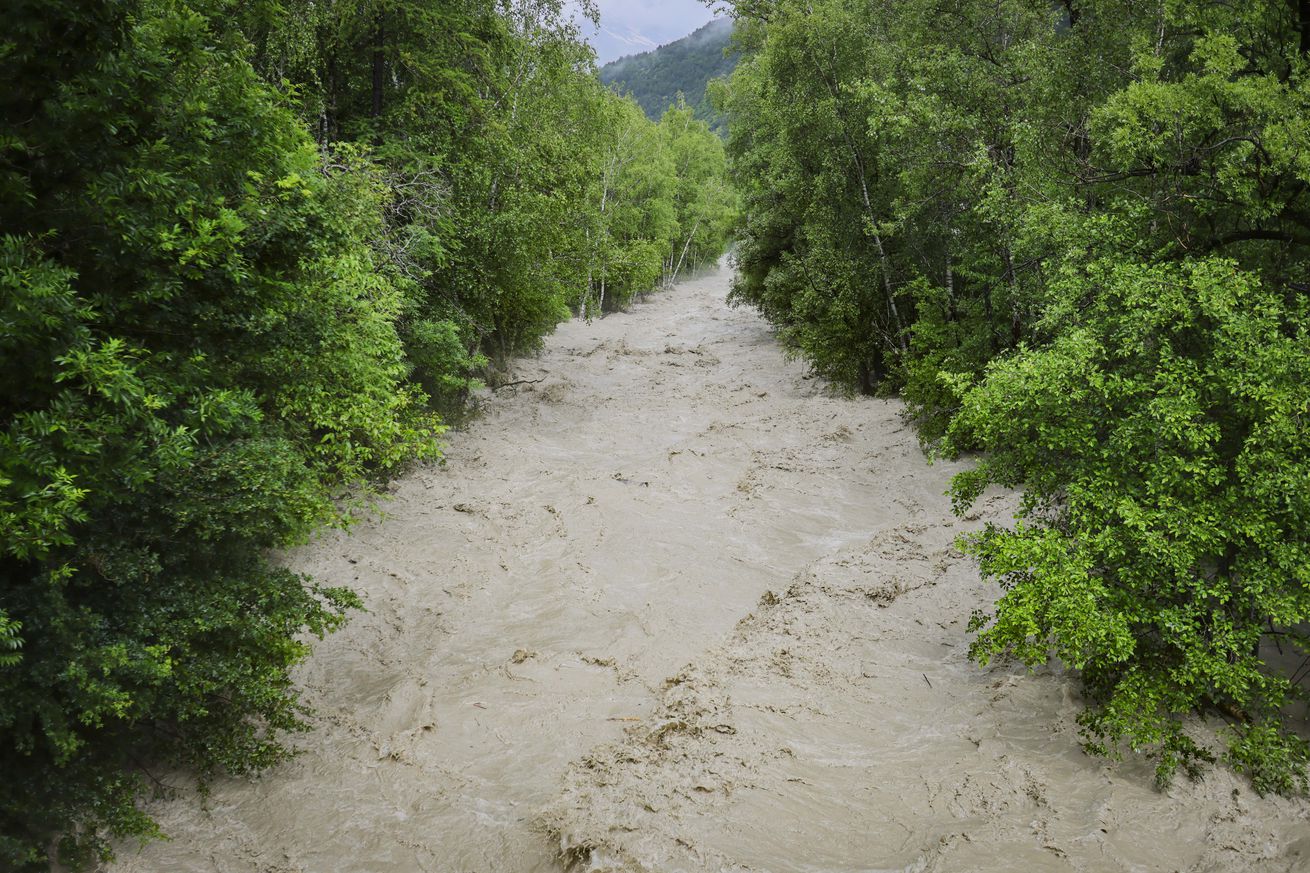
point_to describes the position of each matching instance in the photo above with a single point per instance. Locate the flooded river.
(670, 606)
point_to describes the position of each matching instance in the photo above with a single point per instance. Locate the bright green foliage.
(1077, 237)
(634, 213)
(10, 642)
(519, 190)
(520, 187)
(200, 357)
(661, 201)
(704, 202)
(219, 334)
(1161, 441)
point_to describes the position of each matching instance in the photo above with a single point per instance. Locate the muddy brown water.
(673, 607)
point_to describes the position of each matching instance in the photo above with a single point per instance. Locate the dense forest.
(1075, 237)
(685, 67)
(250, 254)
(254, 257)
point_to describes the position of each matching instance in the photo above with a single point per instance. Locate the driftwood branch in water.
(520, 382)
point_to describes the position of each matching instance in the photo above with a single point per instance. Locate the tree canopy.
(679, 71)
(1075, 238)
(249, 255)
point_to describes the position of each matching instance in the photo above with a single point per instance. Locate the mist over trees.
(1076, 239)
(685, 67)
(249, 253)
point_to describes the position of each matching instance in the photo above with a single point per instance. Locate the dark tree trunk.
(1303, 13)
(330, 109)
(1071, 12)
(379, 66)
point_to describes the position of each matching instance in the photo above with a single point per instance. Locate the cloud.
(631, 26)
(632, 38)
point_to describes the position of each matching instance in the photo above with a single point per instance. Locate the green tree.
(1073, 236)
(200, 359)
(633, 199)
(503, 156)
(815, 253)
(704, 201)
(220, 331)
(1161, 443)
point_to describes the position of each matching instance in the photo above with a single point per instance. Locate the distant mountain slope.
(655, 77)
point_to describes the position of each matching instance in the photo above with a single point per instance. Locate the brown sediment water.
(670, 605)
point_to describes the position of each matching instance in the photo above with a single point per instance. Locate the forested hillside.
(686, 66)
(249, 254)
(1076, 238)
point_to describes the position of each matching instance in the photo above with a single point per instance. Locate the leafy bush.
(442, 363)
(219, 333)
(1075, 236)
(200, 360)
(1160, 439)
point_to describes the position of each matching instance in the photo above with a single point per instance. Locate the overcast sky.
(628, 27)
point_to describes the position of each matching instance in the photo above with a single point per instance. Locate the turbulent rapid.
(671, 605)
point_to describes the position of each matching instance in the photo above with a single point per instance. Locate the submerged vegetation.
(249, 252)
(1076, 238)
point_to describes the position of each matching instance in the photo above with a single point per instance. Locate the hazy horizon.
(629, 27)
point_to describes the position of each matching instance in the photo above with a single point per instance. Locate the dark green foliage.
(1076, 238)
(199, 358)
(681, 70)
(219, 334)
